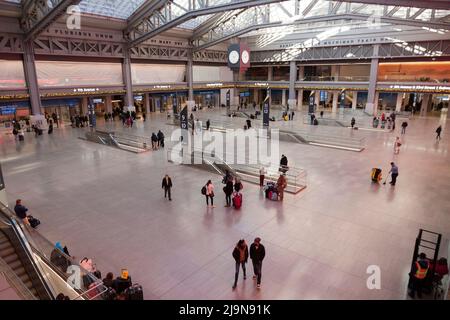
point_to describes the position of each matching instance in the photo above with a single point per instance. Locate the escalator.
(14, 253)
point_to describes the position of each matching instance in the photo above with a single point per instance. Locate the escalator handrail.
(27, 249)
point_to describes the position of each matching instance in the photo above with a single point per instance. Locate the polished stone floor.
(108, 205)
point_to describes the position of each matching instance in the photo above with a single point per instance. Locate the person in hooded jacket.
(240, 255)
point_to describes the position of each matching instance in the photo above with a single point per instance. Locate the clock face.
(245, 57)
(233, 57)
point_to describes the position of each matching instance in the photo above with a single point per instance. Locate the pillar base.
(190, 104)
(370, 108)
(292, 103)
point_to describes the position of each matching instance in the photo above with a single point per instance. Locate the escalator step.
(4, 245)
(15, 265)
(28, 284)
(20, 271)
(6, 252)
(11, 258)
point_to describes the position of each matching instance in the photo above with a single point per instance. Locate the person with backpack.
(167, 186)
(438, 133)
(240, 255)
(208, 191)
(257, 254)
(352, 123)
(228, 190)
(404, 125)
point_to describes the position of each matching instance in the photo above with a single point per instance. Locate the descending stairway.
(10, 256)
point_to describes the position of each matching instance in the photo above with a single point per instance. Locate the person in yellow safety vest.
(418, 274)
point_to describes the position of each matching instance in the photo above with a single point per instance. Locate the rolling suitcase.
(237, 200)
(21, 137)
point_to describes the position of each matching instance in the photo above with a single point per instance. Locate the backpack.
(204, 190)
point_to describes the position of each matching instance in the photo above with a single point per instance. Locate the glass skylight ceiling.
(111, 8)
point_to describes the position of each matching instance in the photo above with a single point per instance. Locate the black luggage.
(33, 222)
(135, 292)
(40, 131)
(21, 138)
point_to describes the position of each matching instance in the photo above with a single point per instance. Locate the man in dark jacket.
(418, 274)
(21, 211)
(283, 163)
(257, 254)
(167, 185)
(228, 189)
(240, 255)
(160, 137)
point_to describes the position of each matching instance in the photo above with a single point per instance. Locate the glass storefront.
(64, 108)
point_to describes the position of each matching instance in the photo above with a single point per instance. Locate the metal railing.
(246, 169)
(55, 259)
(312, 137)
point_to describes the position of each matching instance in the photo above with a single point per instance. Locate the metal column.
(31, 77)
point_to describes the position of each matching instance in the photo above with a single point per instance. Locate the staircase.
(9, 255)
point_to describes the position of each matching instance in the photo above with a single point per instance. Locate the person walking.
(210, 194)
(160, 137)
(418, 274)
(394, 174)
(438, 133)
(281, 185)
(353, 122)
(144, 116)
(154, 141)
(228, 189)
(262, 175)
(50, 127)
(397, 145)
(292, 115)
(55, 119)
(404, 125)
(257, 254)
(167, 186)
(240, 255)
(208, 123)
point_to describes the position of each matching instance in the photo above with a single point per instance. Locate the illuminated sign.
(83, 90)
(261, 84)
(419, 87)
(214, 84)
(161, 87)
